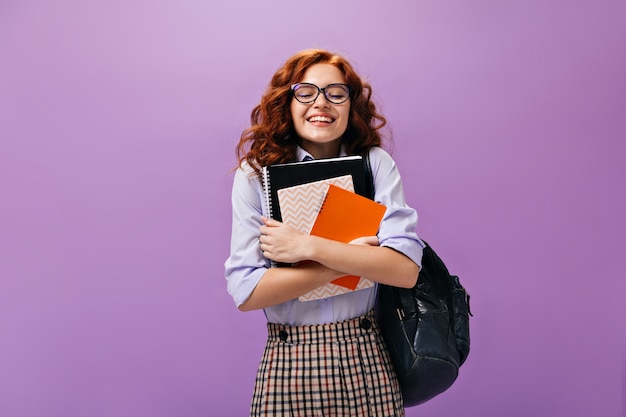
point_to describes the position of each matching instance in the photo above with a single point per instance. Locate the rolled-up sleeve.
(397, 230)
(246, 264)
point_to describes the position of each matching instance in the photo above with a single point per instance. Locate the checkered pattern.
(337, 369)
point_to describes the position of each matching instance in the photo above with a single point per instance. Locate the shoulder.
(246, 181)
(245, 172)
(378, 152)
(381, 160)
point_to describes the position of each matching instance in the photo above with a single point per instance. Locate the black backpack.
(426, 328)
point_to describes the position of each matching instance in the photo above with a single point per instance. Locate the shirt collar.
(303, 155)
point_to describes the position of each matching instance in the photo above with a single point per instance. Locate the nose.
(321, 100)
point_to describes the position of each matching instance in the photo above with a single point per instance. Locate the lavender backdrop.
(118, 122)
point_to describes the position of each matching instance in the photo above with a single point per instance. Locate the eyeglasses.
(307, 93)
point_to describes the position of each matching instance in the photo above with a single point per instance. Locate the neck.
(322, 150)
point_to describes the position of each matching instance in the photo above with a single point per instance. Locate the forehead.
(322, 75)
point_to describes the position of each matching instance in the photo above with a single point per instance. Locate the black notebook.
(279, 176)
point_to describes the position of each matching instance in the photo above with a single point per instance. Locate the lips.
(320, 118)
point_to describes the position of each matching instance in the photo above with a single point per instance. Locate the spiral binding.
(266, 191)
(322, 201)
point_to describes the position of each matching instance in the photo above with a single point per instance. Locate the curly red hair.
(271, 137)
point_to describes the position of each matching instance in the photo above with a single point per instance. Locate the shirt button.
(366, 324)
(283, 335)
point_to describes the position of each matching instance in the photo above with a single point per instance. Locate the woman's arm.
(378, 263)
(282, 243)
(283, 284)
(321, 261)
(328, 260)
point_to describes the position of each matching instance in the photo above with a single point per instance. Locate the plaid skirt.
(336, 369)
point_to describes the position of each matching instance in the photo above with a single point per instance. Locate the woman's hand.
(282, 243)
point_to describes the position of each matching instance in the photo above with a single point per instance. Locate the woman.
(323, 357)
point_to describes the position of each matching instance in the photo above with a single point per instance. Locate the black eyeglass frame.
(295, 86)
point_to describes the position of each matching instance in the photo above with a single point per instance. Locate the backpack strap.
(369, 178)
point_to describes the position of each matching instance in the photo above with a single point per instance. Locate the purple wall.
(118, 122)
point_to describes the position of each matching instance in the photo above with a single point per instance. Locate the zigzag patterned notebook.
(299, 204)
(345, 216)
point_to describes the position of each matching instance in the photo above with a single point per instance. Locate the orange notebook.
(345, 216)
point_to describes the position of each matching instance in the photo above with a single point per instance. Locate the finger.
(365, 240)
(265, 230)
(270, 222)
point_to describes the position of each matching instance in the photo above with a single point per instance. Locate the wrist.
(313, 245)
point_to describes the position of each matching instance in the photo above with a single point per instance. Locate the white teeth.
(321, 119)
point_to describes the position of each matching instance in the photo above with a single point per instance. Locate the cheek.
(345, 116)
(295, 110)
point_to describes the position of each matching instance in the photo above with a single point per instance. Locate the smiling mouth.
(323, 119)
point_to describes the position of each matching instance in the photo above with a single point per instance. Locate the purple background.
(118, 122)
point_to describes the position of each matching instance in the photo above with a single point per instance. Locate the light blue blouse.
(246, 264)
